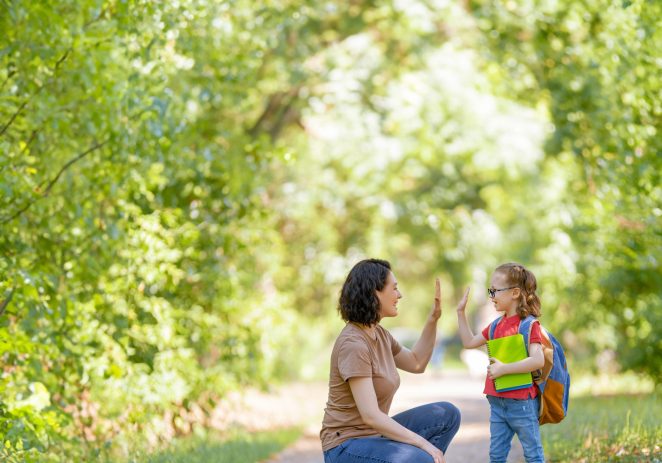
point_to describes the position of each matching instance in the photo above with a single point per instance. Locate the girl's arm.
(469, 340)
(363, 392)
(535, 361)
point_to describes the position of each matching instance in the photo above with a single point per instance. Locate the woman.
(363, 379)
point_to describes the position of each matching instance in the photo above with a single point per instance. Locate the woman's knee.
(444, 414)
(450, 413)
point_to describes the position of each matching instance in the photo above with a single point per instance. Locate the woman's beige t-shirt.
(356, 354)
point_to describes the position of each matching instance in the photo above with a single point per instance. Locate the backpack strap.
(493, 326)
(525, 330)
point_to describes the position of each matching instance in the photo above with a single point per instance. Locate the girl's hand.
(437, 455)
(495, 369)
(435, 314)
(463, 302)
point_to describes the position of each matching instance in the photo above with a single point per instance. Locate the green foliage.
(619, 428)
(184, 186)
(595, 67)
(131, 214)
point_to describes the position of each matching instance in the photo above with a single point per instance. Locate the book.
(510, 349)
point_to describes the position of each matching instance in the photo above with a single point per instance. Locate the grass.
(240, 447)
(611, 428)
(624, 383)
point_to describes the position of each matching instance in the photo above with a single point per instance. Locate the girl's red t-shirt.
(508, 326)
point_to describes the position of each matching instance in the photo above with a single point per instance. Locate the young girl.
(513, 292)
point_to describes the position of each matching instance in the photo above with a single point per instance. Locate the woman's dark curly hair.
(358, 302)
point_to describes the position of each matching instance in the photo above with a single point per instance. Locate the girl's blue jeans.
(436, 422)
(512, 416)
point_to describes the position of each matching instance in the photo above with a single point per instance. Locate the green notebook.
(510, 349)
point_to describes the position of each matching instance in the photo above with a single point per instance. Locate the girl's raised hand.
(463, 302)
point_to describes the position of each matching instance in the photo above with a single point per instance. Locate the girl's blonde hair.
(517, 275)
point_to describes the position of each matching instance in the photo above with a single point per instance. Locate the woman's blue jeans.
(437, 422)
(509, 417)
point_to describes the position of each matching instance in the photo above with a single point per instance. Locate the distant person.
(363, 379)
(512, 291)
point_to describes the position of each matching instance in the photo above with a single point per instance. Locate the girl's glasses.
(492, 292)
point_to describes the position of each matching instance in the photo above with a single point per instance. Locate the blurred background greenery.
(185, 185)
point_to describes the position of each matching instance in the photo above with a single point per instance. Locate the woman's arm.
(469, 340)
(416, 359)
(366, 401)
(535, 361)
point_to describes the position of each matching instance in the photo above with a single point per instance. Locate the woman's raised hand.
(435, 314)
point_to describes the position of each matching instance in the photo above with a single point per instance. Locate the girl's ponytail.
(517, 275)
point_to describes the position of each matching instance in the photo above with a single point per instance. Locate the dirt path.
(470, 445)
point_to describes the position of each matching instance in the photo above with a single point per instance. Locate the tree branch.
(10, 74)
(93, 20)
(71, 162)
(55, 68)
(39, 89)
(14, 116)
(25, 148)
(6, 302)
(272, 106)
(278, 112)
(54, 180)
